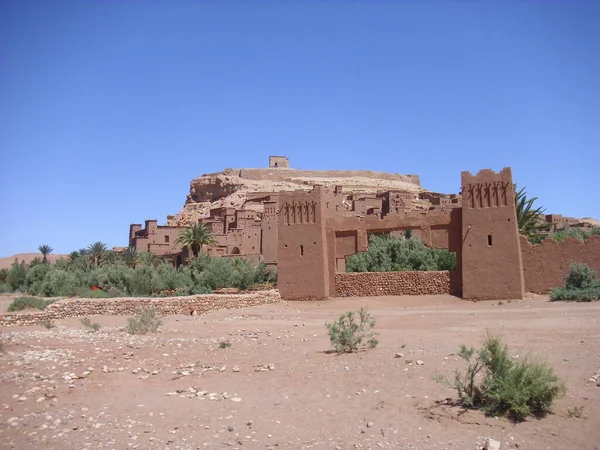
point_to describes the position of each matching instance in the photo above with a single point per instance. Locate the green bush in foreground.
(353, 330)
(21, 303)
(497, 384)
(581, 285)
(146, 321)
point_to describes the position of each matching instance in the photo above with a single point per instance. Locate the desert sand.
(278, 386)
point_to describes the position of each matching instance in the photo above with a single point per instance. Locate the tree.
(96, 252)
(530, 224)
(131, 257)
(45, 250)
(195, 237)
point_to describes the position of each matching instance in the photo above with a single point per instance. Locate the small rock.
(271, 366)
(229, 428)
(236, 399)
(491, 444)
(420, 363)
(370, 424)
(236, 369)
(398, 355)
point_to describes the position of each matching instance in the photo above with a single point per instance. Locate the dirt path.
(311, 399)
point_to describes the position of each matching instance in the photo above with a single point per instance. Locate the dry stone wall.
(371, 284)
(192, 305)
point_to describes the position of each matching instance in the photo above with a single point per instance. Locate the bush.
(224, 344)
(22, 303)
(92, 293)
(144, 322)
(581, 285)
(347, 334)
(5, 288)
(60, 283)
(16, 274)
(396, 253)
(576, 233)
(48, 324)
(500, 386)
(94, 326)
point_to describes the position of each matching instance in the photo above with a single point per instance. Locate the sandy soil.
(71, 389)
(6, 262)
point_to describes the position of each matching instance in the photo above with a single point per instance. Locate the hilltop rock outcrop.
(230, 187)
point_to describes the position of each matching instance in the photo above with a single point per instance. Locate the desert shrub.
(386, 254)
(353, 330)
(499, 385)
(224, 344)
(3, 276)
(16, 275)
(48, 324)
(580, 276)
(576, 411)
(59, 282)
(21, 303)
(93, 326)
(5, 288)
(145, 321)
(595, 231)
(581, 285)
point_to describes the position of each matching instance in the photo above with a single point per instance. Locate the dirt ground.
(68, 388)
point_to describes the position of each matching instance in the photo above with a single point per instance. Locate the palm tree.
(45, 250)
(131, 257)
(195, 237)
(530, 224)
(96, 252)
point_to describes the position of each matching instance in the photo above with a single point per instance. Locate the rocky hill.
(230, 187)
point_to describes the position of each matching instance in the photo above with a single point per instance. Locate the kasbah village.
(296, 309)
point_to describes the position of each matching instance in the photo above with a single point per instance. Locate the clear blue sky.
(109, 108)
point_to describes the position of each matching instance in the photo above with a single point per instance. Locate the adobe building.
(317, 233)
(308, 234)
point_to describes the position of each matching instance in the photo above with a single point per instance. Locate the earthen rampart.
(545, 265)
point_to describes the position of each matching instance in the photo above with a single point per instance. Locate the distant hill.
(27, 257)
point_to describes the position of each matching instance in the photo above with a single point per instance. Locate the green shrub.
(93, 326)
(499, 385)
(144, 322)
(581, 285)
(92, 293)
(386, 254)
(595, 231)
(141, 281)
(22, 303)
(224, 344)
(353, 330)
(60, 283)
(34, 279)
(108, 276)
(16, 275)
(5, 288)
(576, 233)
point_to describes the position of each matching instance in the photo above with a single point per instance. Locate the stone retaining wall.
(371, 284)
(191, 305)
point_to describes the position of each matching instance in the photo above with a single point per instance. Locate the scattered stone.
(419, 362)
(236, 399)
(398, 355)
(370, 424)
(236, 369)
(491, 444)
